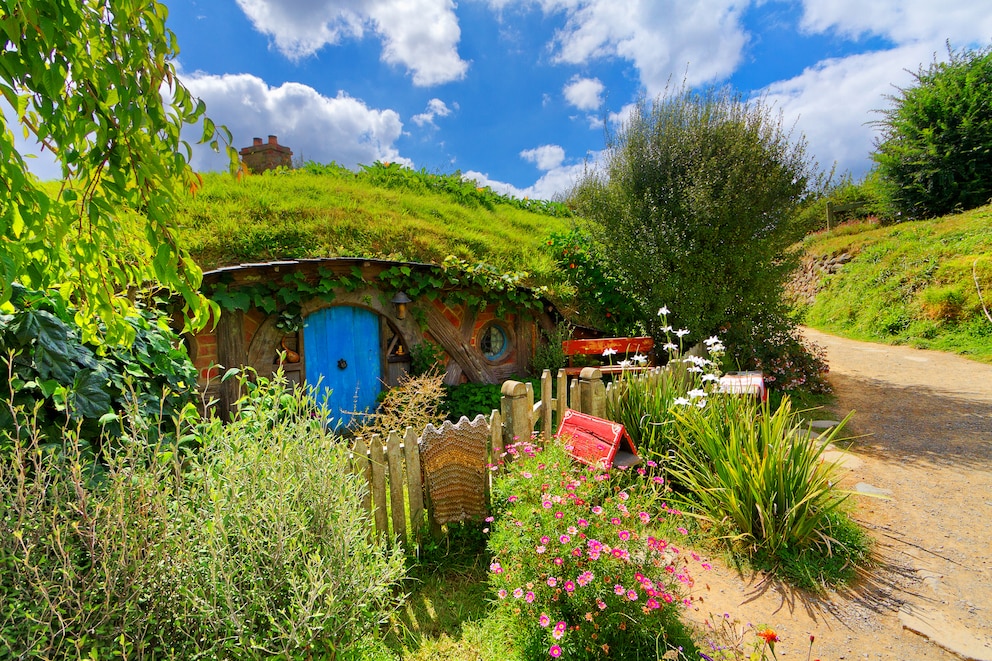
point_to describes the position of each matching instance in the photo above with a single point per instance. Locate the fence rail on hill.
(442, 474)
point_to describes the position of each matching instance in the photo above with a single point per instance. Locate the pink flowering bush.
(587, 562)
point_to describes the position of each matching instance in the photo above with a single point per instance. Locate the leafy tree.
(94, 82)
(693, 208)
(935, 151)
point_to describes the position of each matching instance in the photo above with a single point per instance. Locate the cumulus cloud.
(832, 103)
(315, 127)
(545, 157)
(435, 108)
(419, 35)
(665, 40)
(584, 93)
(902, 21)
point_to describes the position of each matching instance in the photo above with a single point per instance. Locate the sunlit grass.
(911, 283)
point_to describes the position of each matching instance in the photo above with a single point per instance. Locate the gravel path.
(923, 423)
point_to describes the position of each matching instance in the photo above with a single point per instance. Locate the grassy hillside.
(382, 211)
(912, 283)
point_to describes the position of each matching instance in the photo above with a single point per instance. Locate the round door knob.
(342, 364)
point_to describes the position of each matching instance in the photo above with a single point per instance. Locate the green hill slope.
(918, 283)
(382, 211)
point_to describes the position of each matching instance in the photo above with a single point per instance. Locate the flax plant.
(756, 476)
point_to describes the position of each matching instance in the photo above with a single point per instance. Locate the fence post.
(397, 507)
(592, 392)
(546, 400)
(415, 483)
(515, 412)
(378, 460)
(561, 402)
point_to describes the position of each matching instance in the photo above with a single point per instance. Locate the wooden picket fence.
(398, 494)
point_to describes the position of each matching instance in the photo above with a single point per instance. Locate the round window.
(494, 342)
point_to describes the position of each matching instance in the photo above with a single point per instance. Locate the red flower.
(768, 635)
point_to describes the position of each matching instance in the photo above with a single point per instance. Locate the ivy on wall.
(455, 282)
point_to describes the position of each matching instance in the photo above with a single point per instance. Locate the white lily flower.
(639, 359)
(663, 310)
(698, 392)
(670, 347)
(609, 352)
(713, 339)
(625, 363)
(710, 377)
(667, 329)
(695, 369)
(701, 404)
(680, 401)
(682, 332)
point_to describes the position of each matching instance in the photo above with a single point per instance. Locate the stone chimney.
(266, 156)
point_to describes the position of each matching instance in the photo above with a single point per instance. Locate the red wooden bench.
(624, 347)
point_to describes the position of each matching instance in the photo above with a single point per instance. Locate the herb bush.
(256, 546)
(586, 561)
(757, 479)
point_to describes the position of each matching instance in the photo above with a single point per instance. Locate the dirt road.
(924, 421)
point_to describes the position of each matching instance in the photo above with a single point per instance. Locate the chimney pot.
(256, 141)
(273, 140)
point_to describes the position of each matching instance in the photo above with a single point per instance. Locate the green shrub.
(256, 546)
(586, 563)
(56, 379)
(755, 476)
(472, 399)
(936, 138)
(550, 354)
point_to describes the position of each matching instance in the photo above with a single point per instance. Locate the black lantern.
(400, 300)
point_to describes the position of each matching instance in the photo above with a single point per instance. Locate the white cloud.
(584, 93)
(902, 21)
(666, 40)
(832, 102)
(435, 108)
(315, 127)
(545, 157)
(555, 183)
(420, 35)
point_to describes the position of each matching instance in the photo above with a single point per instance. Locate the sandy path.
(925, 424)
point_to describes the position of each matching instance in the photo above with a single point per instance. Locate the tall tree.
(935, 151)
(692, 208)
(94, 82)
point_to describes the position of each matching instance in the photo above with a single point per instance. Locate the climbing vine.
(455, 282)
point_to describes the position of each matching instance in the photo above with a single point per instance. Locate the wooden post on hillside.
(548, 404)
(230, 353)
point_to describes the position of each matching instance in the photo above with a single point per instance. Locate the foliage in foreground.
(95, 83)
(257, 546)
(56, 380)
(935, 152)
(586, 561)
(757, 479)
(694, 208)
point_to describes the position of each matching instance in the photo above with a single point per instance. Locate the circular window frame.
(504, 354)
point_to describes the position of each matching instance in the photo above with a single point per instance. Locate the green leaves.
(935, 153)
(86, 79)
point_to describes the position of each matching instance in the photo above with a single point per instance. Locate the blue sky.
(519, 93)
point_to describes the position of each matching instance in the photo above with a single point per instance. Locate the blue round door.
(341, 348)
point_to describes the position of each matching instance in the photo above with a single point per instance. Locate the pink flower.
(540, 549)
(564, 539)
(552, 581)
(658, 480)
(496, 568)
(519, 592)
(559, 561)
(502, 594)
(583, 523)
(512, 499)
(644, 516)
(527, 475)
(682, 530)
(653, 604)
(619, 589)
(529, 598)
(615, 521)
(569, 587)
(544, 620)
(559, 515)
(545, 539)
(632, 595)
(595, 510)
(555, 651)
(572, 530)
(559, 630)
(623, 495)
(546, 504)
(624, 535)
(601, 604)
